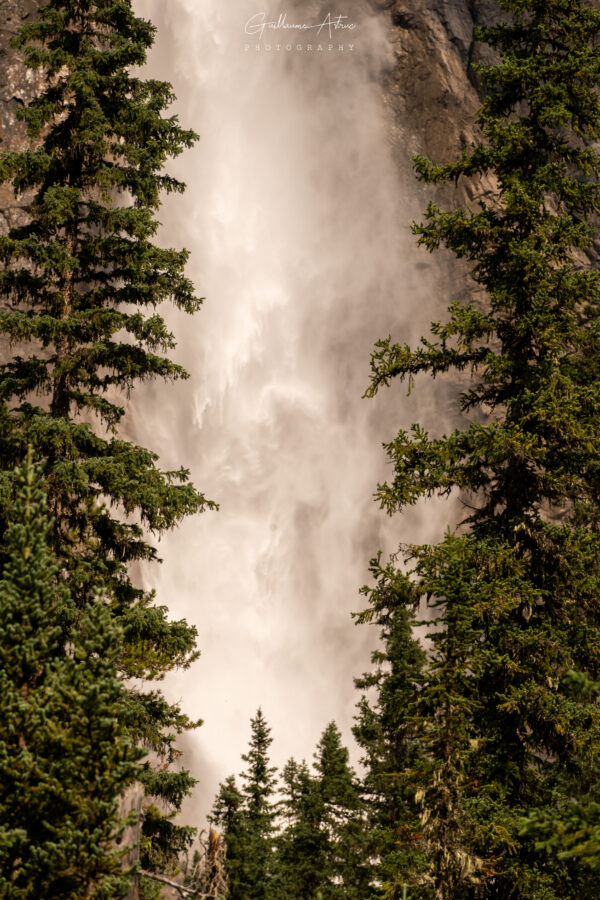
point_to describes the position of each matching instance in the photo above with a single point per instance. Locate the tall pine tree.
(246, 817)
(258, 789)
(65, 749)
(513, 593)
(343, 819)
(384, 730)
(322, 848)
(227, 815)
(79, 287)
(303, 860)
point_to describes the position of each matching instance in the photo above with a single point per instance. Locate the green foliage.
(228, 815)
(258, 789)
(343, 822)
(65, 748)
(393, 757)
(80, 284)
(246, 817)
(311, 845)
(573, 830)
(509, 601)
(303, 859)
(573, 834)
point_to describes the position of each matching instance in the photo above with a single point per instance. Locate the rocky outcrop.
(433, 88)
(17, 85)
(433, 93)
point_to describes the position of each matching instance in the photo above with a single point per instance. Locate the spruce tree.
(343, 820)
(65, 749)
(303, 859)
(322, 846)
(246, 816)
(80, 284)
(227, 815)
(257, 789)
(384, 730)
(512, 592)
(574, 830)
(573, 834)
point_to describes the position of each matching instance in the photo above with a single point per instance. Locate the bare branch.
(184, 891)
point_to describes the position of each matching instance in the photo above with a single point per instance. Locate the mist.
(297, 216)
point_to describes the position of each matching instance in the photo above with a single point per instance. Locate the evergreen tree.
(246, 817)
(574, 834)
(574, 831)
(513, 594)
(304, 863)
(227, 814)
(258, 789)
(80, 283)
(309, 846)
(65, 751)
(322, 847)
(343, 820)
(384, 730)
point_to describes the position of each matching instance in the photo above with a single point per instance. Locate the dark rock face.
(433, 89)
(15, 82)
(432, 93)
(17, 85)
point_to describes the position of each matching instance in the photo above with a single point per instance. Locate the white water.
(298, 226)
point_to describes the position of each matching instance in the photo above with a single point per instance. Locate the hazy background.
(297, 218)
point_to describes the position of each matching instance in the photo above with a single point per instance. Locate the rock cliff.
(17, 84)
(432, 88)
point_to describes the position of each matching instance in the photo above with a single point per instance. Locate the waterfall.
(297, 217)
